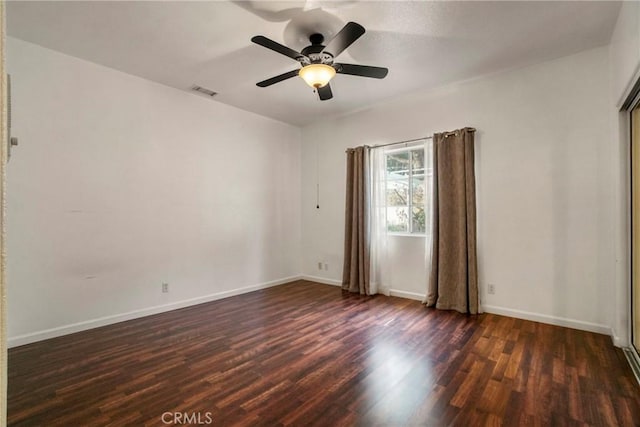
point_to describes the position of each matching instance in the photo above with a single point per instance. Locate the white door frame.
(3, 161)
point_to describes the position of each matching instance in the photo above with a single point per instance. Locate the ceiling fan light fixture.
(317, 75)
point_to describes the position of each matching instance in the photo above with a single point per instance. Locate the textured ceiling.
(424, 44)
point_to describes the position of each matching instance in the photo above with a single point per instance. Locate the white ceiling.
(424, 44)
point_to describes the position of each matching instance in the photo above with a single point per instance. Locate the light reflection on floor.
(398, 381)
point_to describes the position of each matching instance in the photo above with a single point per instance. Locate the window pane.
(418, 220)
(398, 164)
(398, 219)
(398, 192)
(417, 161)
(418, 191)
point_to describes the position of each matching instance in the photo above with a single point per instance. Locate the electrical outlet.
(319, 265)
(326, 266)
(492, 289)
(165, 287)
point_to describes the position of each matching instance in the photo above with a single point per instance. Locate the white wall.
(120, 184)
(625, 50)
(543, 180)
(624, 64)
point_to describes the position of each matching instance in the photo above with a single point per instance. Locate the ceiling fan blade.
(325, 93)
(347, 35)
(277, 79)
(277, 47)
(362, 70)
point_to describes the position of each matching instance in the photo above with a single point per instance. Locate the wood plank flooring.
(308, 354)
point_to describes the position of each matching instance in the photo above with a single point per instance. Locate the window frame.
(410, 176)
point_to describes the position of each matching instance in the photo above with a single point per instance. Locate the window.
(405, 190)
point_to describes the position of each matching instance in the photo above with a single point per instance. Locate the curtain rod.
(393, 143)
(411, 140)
(402, 142)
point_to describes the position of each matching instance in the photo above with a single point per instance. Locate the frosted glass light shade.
(317, 75)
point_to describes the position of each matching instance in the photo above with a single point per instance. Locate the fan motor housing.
(314, 48)
(317, 58)
(314, 51)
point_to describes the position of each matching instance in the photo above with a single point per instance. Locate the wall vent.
(203, 90)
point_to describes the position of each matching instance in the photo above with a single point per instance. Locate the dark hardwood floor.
(308, 354)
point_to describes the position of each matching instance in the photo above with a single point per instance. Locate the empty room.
(320, 213)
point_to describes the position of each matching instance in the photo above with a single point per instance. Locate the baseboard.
(116, 318)
(551, 320)
(322, 280)
(382, 290)
(618, 341)
(405, 294)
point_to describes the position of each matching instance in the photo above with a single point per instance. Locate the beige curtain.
(355, 274)
(453, 283)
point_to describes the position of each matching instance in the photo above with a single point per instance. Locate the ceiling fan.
(317, 59)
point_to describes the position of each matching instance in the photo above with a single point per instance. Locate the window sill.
(406, 235)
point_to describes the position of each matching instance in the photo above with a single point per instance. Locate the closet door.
(635, 227)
